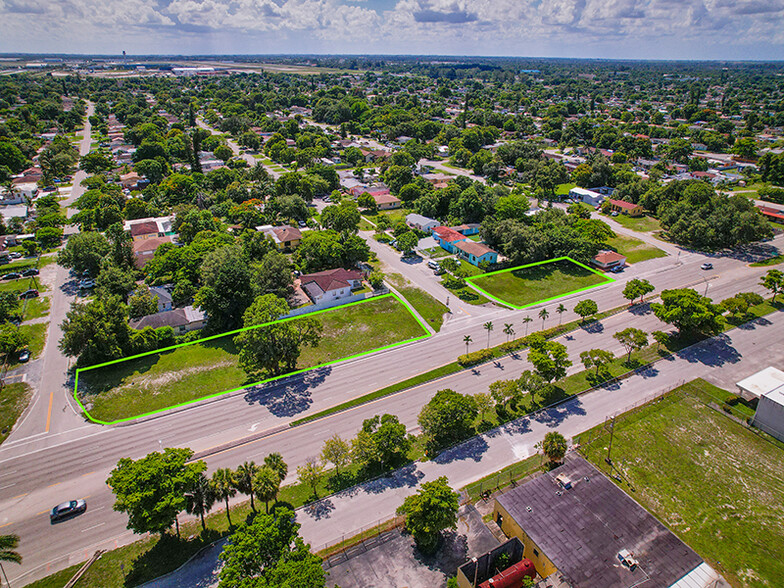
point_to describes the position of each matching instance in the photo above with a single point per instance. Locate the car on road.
(12, 276)
(87, 283)
(31, 293)
(24, 356)
(67, 510)
(30, 272)
(706, 266)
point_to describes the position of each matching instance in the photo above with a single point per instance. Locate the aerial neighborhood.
(390, 321)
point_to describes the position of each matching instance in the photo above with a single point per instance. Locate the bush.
(453, 283)
(475, 357)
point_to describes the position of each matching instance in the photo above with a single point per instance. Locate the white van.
(433, 264)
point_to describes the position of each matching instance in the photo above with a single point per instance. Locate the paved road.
(34, 478)
(252, 161)
(51, 412)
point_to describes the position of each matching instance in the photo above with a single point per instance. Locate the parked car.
(24, 356)
(616, 269)
(67, 510)
(14, 255)
(706, 266)
(12, 276)
(30, 272)
(433, 264)
(87, 283)
(32, 293)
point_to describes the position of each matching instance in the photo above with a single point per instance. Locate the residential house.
(330, 284)
(284, 237)
(475, 253)
(19, 192)
(145, 245)
(608, 259)
(581, 530)
(130, 180)
(468, 229)
(150, 227)
(624, 207)
(182, 320)
(421, 223)
(16, 211)
(447, 238)
(385, 200)
(164, 294)
(436, 179)
(586, 196)
(774, 214)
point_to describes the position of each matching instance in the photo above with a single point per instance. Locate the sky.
(615, 29)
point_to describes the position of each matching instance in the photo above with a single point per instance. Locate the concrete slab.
(392, 561)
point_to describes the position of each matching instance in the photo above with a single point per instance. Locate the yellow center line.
(49, 413)
(11, 523)
(55, 484)
(42, 512)
(20, 496)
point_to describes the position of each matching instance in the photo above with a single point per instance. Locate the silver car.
(67, 510)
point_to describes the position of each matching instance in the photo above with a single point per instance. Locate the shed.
(759, 384)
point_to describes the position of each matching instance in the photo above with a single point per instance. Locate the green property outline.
(607, 280)
(402, 301)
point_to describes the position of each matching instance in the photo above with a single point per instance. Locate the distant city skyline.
(610, 29)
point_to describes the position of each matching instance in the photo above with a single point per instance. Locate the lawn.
(713, 482)
(13, 401)
(536, 283)
(641, 224)
(161, 380)
(37, 307)
(770, 261)
(428, 307)
(634, 249)
(563, 189)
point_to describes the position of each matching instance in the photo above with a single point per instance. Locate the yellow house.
(577, 526)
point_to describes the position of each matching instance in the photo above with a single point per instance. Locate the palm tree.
(275, 461)
(243, 479)
(508, 331)
(200, 498)
(526, 320)
(8, 543)
(223, 487)
(467, 340)
(543, 314)
(266, 485)
(488, 326)
(560, 310)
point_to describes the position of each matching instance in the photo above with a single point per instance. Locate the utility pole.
(608, 459)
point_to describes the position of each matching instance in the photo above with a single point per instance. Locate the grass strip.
(434, 374)
(770, 261)
(14, 398)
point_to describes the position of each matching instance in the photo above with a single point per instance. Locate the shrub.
(475, 357)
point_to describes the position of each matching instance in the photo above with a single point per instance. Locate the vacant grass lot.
(13, 400)
(713, 482)
(528, 285)
(643, 224)
(161, 380)
(634, 249)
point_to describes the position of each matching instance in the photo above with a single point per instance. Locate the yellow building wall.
(509, 526)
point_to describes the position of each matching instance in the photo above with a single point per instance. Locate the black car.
(67, 509)
(12, 276)
(30, 272)
(29, 294)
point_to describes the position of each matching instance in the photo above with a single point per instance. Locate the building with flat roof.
(582, 531)
(767, 386)
(586, 196)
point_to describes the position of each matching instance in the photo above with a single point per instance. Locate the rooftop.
(448, 235)
(582, 529)
(608, 257)
(623, 204)
(763, 382)
(473, 248)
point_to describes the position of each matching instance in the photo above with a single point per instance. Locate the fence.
(367, 537)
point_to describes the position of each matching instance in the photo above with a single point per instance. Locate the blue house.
(447, 238)
(475, 253)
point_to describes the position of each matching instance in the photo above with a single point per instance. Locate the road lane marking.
(5, 525)
(88, 473)
(20, 496)
(55, 484)
(93, 527)
(49, 413)
(42, 512)
(7, 486)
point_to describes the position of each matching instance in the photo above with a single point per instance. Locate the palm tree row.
(262, 482)
(509, 331)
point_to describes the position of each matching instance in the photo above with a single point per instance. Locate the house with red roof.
(624, 207)
(476, 253)
(330, 284)
(447, 238)
(608, 259)
(774, 214)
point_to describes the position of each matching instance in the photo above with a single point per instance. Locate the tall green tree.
(275, 461)
(554, 446)
(199, 498)
(269, 552)
(223, 485)
(586, 308)
(151, 490)
(337, 452)
(632, 339)
(243, 480)
(310, 474)
(428, 512)
(637, 288)
(597, 358)
(96, 331)
(550, 360)
(83, 252)
(228, 288)
(8, 553)
(773, 280)
(447, 419)
(381, 442)
(689, 312)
